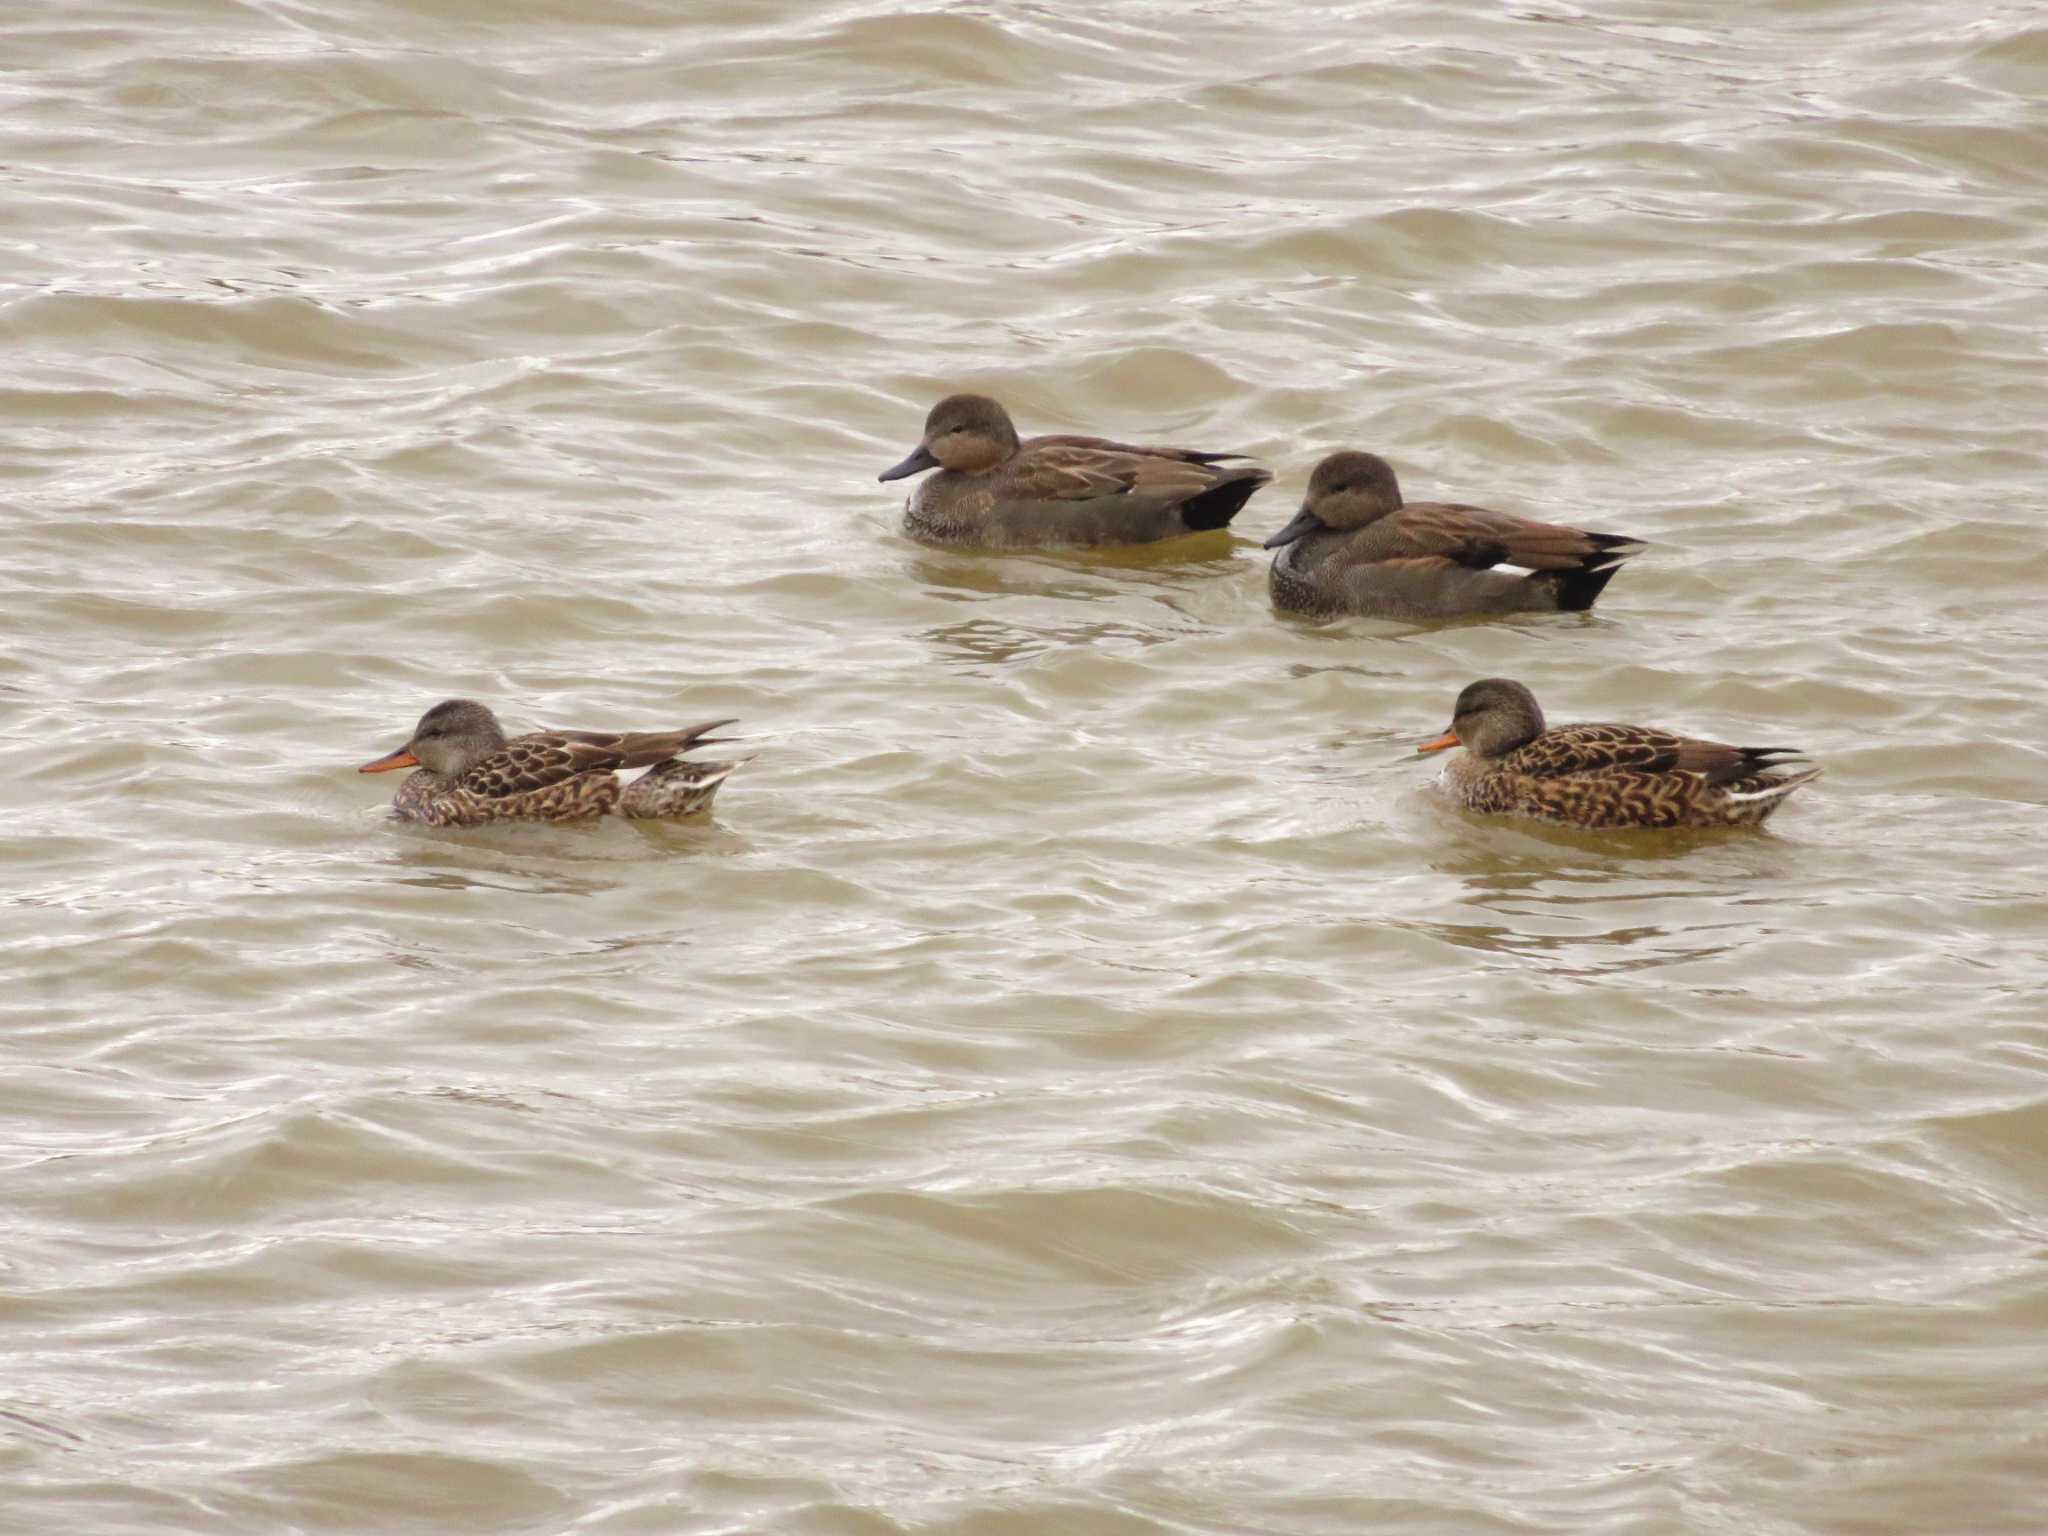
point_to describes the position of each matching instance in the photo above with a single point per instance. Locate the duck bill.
(402, 758)
(1443, 743)
(1305, 523)
(918, 462)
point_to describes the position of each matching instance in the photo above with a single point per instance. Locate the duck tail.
(1579, 590)
(657, 747)
(1215, 507)
(1764, 795)
(676, 788)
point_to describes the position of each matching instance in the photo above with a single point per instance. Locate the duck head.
(968, 433)
(1491, 718)
(1347, 490)
(450, 739)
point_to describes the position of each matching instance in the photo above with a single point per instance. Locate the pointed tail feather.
(1215, 507)
(643, 749)
(1755, 761)
(1579, 590)
(1580, 587)
(1754, 805)
(1612, 549)
(676, 788)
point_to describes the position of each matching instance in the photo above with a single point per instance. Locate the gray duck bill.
(918, 462)
(1305, 523)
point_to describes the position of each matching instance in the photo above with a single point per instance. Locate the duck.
(1604, 776)
(994, 491)
(471, 773)
(1356, 548)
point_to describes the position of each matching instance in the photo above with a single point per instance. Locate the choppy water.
(1081, 1081)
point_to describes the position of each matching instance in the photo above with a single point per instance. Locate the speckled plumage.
(1356, 547)
(1604, 776)
(471, 773)
(993, 491)
(672, 789)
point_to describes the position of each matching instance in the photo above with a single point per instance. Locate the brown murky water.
(1081, 1081)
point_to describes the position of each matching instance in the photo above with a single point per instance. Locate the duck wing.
(1567, 750)
(1048, 469)
(1477, 538)
(545, 759)
(1110, 445)
(1079, 493)
(640, 749)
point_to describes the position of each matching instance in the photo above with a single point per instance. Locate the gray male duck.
(1356, 547)
(996, 492)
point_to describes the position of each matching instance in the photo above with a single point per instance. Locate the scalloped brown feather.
(1600, 775)
(564, 776)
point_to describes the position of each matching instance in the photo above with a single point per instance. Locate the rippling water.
(1081, 1080)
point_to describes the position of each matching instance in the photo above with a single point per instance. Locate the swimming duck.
(1603, 775)
(470, 773)
(994, 491)
(1356, 547)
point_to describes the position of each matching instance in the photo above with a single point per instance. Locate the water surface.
(1081, 1080)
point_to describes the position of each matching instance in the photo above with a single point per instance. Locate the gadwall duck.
(1603, 775)
(996, 492)
(470, 773)
(1356, 547)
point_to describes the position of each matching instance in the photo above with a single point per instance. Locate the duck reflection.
(1586, 953)
(1614, 902)
(547, 860)
(1148, 583)
(981, 644)
(1082, 574)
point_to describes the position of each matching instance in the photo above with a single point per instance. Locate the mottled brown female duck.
(1603, 775)
(995, 492)
(1356, 547)
(470, 773)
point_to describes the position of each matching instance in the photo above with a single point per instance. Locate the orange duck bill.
(402, 758)
(1442, 743)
